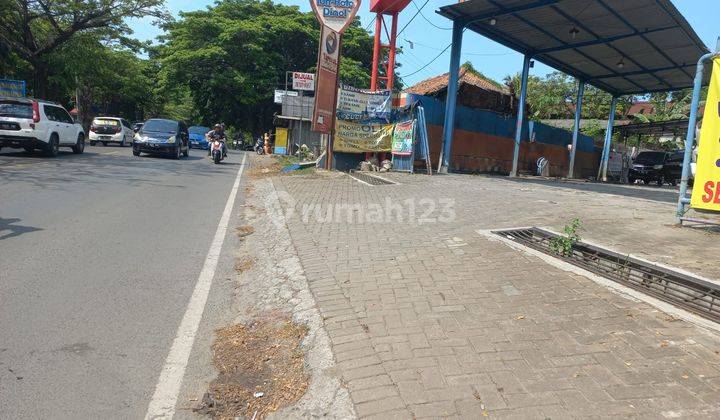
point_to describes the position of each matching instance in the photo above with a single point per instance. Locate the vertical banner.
(334, 16)
(403, 138)
(326, 80)
(706, 187)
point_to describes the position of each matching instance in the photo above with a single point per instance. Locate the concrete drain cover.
(370, 179)
(677, 288)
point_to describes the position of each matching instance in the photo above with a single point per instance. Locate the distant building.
(296, 115)
(474, 91)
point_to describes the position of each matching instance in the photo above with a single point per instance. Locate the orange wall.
(480, 152)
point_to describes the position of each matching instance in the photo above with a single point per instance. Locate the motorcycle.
(216, 151)
(259, 146)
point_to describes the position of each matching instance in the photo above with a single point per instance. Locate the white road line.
(162, 405)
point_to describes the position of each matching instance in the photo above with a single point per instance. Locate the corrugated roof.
(439, 83)
(620, 46)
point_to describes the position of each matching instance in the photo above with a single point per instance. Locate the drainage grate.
(688, 292)
(370, 179)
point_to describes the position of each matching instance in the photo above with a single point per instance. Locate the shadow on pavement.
(8, 228)
(92, 168)
(660, 194)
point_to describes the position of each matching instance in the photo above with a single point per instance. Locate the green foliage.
(594, 129)
(554, 95)
(562, 245)
(472, 70)
(233, 55)
(34, 30)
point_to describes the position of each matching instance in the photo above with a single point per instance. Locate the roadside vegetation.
(221, 63)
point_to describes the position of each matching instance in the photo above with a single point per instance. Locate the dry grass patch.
(244, 231)
(243, 264)
(261, 368)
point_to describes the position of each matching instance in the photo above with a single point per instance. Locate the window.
(64, 116)
(15, 110)
(50, 113)
(160, 126)
(125, 123)
(105, 121)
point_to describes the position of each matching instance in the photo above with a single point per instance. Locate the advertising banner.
(352, 137)
(706, 187)
(327, 79)
(303, 81)
(335, 14)
(280, 93)
(14, 88)
(359, 104)
(402, 139)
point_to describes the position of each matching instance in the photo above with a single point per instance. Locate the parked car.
(110, 130)
(159, 136)
(32, 124)
(197, 136)
(657, 166)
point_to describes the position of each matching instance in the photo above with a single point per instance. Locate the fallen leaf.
(519, 317)
(664, 344)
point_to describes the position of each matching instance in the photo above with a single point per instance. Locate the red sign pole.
(334, 17)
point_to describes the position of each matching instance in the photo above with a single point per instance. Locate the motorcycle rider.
(217, 133)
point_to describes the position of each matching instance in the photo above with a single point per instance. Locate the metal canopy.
(620, 46)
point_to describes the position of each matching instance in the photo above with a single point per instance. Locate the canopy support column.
(520, 114)
(451, 98)
(608, 139)
(690, 137)
(576, 127)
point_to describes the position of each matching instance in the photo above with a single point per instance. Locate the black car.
(158, 136)
(657, 166)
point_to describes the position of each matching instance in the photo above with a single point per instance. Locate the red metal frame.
(378, 82)
(383, 8)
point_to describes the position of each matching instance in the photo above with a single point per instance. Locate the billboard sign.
(303, 81)
(335, 14)
(706, 187)
(327, 79)
(14, 88)
(280, 93)
(359, 104)
(352, 137)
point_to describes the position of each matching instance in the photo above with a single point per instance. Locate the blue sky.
(431, 36)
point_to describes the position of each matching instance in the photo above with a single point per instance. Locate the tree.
(34, 29)
(231, 57)
(554, 96)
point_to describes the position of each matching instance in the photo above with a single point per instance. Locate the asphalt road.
(99, 255)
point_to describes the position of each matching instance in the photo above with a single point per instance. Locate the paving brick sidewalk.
(435, 320)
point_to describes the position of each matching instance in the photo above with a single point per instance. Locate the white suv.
(35, 124)
(111, 130)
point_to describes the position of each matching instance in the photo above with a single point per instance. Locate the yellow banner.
(706, 188)
(281, 137)
(352, 137)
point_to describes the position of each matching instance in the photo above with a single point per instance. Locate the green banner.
(402, 140)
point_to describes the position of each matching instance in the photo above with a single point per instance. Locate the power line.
(465, 53)
(413, 16)
(428, 20)
(430, 62)
(367, 28)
